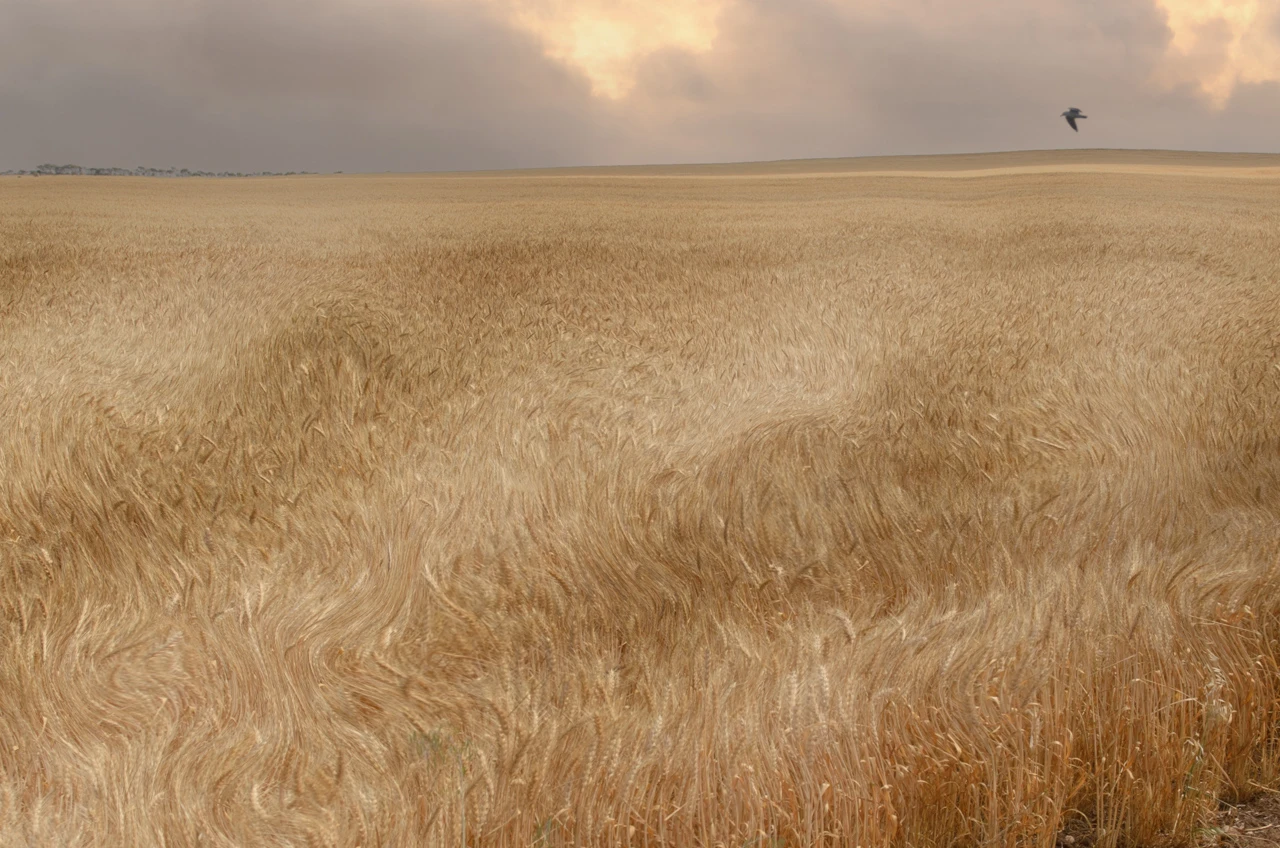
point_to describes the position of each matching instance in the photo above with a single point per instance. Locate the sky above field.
(375, 85)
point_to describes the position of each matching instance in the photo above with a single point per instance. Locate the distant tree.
(145, 171)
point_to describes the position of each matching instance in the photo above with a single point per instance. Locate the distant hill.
(939, 164)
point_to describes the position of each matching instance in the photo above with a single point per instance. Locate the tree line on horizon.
(142, 171)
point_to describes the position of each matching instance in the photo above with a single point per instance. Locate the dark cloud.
(439, 84)
(285, 85)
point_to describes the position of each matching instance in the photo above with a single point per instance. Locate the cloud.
(1220, 45)
(287, 85)
(445, 84)
(605, 39)
(838, 77)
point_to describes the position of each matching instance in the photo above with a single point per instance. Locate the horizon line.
(700, 165)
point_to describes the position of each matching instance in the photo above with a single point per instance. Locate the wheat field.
(784, 505)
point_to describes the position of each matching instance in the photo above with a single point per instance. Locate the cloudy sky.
(410, 85)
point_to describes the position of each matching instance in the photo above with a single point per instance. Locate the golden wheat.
(749, 508)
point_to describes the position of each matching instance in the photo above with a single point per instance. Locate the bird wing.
(1071, 119)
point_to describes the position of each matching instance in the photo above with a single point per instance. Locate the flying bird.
(1071, 115)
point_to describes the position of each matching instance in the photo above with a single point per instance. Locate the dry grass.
(615, 510)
